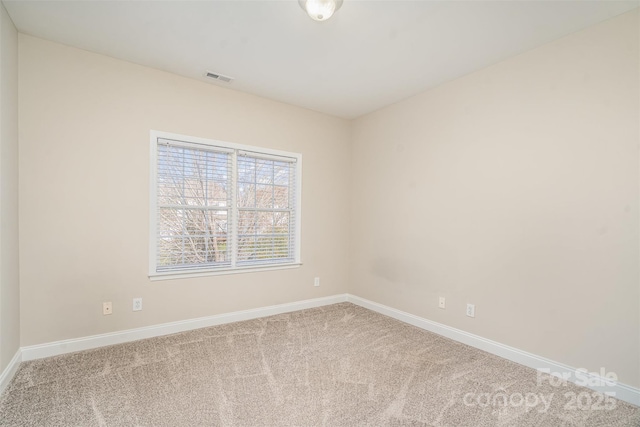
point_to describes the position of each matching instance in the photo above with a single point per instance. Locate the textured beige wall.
(514, 188)
(9, 278)
(84, 184)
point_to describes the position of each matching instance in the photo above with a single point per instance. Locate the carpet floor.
(339, 365)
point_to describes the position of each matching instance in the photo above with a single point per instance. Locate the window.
(221, 207)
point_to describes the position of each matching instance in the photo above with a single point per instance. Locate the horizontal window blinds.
(194, 200)
(220, 208)
(266, 210)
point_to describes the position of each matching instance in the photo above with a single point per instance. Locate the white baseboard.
(7, 375)
(78, 344)
(618, 390)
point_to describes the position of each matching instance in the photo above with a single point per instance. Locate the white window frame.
(153, 207)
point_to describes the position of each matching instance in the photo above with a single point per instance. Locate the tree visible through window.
(222, 206)
(264, 208)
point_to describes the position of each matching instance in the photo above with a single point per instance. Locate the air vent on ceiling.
(216, 76)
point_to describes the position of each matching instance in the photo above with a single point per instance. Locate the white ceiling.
(370, 54)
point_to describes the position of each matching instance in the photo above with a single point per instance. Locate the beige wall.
(9, 282)
(514, 188)
(84, 184)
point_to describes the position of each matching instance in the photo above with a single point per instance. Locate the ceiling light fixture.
(320, 10)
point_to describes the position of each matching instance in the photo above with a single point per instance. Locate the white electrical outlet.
(471, 310)
(441, 302)
(137, 304)
(107, 308)
(316, 281)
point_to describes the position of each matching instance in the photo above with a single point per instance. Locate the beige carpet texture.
(339, 365)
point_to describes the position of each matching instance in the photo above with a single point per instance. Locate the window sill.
(220, 272)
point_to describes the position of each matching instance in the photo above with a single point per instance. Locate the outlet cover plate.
(471, 310)
(107, 308)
